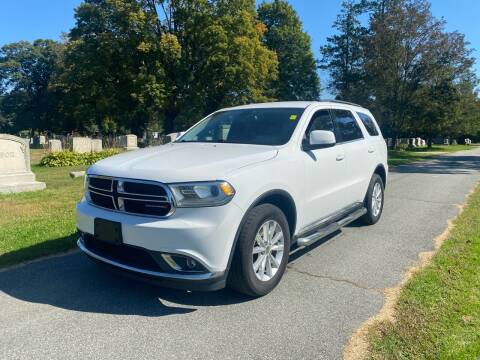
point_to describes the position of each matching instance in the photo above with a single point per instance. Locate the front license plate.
(108, 231)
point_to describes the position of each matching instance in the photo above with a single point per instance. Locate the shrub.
(69, 158)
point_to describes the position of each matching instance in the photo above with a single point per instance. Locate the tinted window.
(347, 126)
(369, 124)
(262, 126)
(321, 120)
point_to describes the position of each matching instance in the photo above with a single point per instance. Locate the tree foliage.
(297, 74)
(415, 75)
(26, 70)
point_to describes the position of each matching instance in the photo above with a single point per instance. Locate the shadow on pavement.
(448, 164)
(73, 282)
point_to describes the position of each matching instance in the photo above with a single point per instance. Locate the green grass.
(35, 224)
(438, 312)
(398, 157)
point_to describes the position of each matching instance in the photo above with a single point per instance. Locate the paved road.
(66, 308)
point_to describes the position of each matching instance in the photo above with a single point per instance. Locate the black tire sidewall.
(257, 217)
(369, 217)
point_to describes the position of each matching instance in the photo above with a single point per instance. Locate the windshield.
(261, 126)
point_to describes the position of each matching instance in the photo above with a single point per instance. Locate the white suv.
(227, 201)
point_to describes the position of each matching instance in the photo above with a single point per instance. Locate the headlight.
(211, 193)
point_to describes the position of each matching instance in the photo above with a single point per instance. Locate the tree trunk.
(429, 142)
(169, 123)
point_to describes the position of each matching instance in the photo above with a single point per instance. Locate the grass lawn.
(397, 157)
(39, 223)
(438, 312)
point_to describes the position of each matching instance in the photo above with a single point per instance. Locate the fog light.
(183, 263)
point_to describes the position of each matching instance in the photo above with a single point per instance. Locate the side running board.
(330, 228)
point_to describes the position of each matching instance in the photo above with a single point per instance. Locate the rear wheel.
(262, 251)
(374, 200)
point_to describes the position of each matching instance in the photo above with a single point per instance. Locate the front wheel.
(262, 251)
(374, 200)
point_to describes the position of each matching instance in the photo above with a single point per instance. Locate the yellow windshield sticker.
(293, 117)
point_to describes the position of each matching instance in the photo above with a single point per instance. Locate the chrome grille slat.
(146, 204)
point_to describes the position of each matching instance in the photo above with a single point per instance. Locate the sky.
(34, 19)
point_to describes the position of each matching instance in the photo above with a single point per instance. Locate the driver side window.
(321, 120)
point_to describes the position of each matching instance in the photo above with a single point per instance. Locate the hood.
(178, 162)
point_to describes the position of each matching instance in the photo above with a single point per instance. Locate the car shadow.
(447, 164)
(74, 282)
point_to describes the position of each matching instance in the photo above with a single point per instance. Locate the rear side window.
(348, 129)
(369, 124)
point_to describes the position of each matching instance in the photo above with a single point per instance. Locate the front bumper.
(204, 234)
(202, 281)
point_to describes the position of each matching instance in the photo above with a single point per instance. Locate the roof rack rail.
(341, 102)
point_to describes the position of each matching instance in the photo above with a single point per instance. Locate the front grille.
(131, 196)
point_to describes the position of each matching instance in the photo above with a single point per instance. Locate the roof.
(295, 104)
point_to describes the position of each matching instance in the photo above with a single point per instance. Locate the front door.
(324, 173)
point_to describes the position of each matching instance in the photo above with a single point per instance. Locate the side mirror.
(321, 139)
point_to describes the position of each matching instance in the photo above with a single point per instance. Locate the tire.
(242, 276)
(373, 212)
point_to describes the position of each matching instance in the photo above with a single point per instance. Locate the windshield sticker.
(293, 117)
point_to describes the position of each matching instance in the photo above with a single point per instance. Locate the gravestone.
(54, 145)
(81, 144)
(39, 141)
(412, 142)
(454, 142)
(15, 173)
(97, 145)
(446, 142)
(424, 143)
(129, 142)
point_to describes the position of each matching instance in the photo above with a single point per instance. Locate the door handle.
(371, 150)
(340, 157)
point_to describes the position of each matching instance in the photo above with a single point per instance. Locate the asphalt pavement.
(67, 308)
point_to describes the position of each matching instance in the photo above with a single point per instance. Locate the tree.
(112, 79)
(26, 70)
(297, 75)
(344, 54)
(215, 57)
(413, 68)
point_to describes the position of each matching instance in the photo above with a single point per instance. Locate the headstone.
(418, 142)
(54, 145)
(81, 144)
(468, 141)
(412, 142)
(454, 142)
(424, 143)
(129, 142)
(97, 145)
(39, 141)
(446, 142)
(75, 174)
(389, 142)
(173, 136)
(15, 173)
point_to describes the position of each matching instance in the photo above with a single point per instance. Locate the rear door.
(325, 173)
(357, 159)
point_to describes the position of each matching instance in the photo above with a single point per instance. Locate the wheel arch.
(380, 171)
(278, 197)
